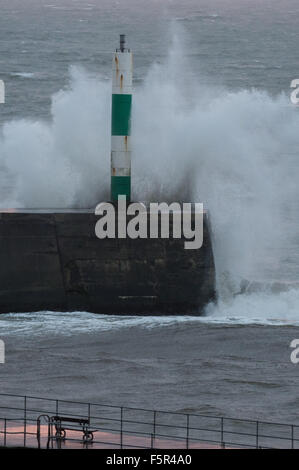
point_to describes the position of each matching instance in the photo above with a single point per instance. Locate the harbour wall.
(54, 261)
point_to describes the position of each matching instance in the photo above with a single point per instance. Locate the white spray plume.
(64, 163)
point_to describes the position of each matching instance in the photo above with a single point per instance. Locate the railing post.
(257, 434)
(187, 433)
(49, 434)
(38, 432)
(4, 432)
(222, 430)
(292, 427)
(56, 407)
(152, 441)
(121, 427)
(25, 419)
(89, 412)
(154, 427)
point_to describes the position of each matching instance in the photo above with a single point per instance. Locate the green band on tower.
(121, 114)
(120, 185)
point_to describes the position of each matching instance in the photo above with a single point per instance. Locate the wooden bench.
(60, 423)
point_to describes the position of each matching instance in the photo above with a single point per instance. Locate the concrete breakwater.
(54, 261)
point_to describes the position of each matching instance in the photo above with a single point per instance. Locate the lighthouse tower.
(121, 122)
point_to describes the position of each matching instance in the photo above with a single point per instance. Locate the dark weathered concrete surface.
(54, 261)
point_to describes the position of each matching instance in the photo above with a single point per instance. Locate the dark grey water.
(212, 120)
(182, 365)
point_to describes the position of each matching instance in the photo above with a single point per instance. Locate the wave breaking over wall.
(234, 151)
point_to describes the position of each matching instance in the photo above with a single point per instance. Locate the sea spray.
(62, 163)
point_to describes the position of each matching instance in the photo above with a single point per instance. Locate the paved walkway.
(102, 440)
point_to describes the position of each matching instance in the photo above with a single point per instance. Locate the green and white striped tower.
(121, 122)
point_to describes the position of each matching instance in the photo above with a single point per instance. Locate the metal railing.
(118, 427)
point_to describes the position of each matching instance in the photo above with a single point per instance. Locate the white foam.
(23, 74)
(256, 308)
(247, 309)
(68, 324)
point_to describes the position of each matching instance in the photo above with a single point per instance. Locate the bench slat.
(70, 420)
